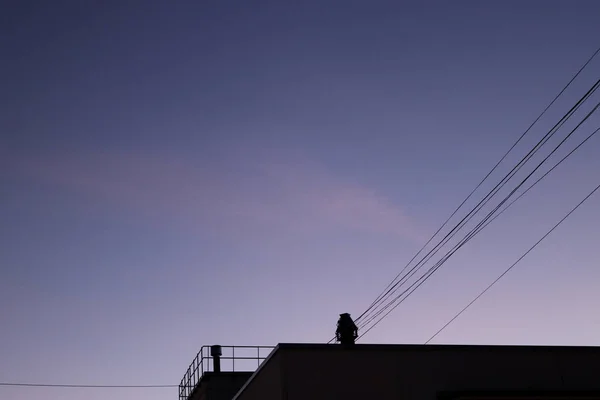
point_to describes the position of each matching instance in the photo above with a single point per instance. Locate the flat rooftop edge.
(412, 347)
(429, 347)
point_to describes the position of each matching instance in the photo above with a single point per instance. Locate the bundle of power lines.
(426, 263)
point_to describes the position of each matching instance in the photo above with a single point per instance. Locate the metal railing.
(248, 359)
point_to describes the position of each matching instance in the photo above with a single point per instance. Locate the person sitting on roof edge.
(347, 331)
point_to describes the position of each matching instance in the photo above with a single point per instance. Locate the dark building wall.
(220, 385)
(267, 382)
(424, 372)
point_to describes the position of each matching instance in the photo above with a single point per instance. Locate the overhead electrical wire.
(50, 385)
(479, 227)
(379, 297)
(513, 265)
(485, 222)
(484, 201)
(513, 202)
(391, 288)
(543, 176)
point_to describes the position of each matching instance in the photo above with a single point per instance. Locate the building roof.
(521, 354)
(430, 347)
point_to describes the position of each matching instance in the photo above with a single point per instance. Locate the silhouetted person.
(347, 331)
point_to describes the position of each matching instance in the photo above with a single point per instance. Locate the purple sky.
(182, 173)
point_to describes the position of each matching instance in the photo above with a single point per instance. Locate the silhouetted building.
(423, 372)
(218, 372)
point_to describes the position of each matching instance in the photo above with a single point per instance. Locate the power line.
(438, 265)
(473, 232)
(483, 224)
(379, 297)
(50, 385)
(395, 287)
(503, 182)
(543, 176)
(513, 265)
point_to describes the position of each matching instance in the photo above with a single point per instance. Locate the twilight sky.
(182, 173)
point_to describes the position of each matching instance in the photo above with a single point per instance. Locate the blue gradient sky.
(175, 174)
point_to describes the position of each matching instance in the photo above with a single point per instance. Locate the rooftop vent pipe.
(216, 352)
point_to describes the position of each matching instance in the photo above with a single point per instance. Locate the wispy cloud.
(290, 195)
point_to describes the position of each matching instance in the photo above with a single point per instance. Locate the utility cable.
(498, 214)
(473, 232)
(49, 385)
(481, 225)
(486, 199)
(543, 176)
(513, 265)
(481, 204)
(483, 180)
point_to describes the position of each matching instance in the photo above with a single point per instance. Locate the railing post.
(201, 359)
